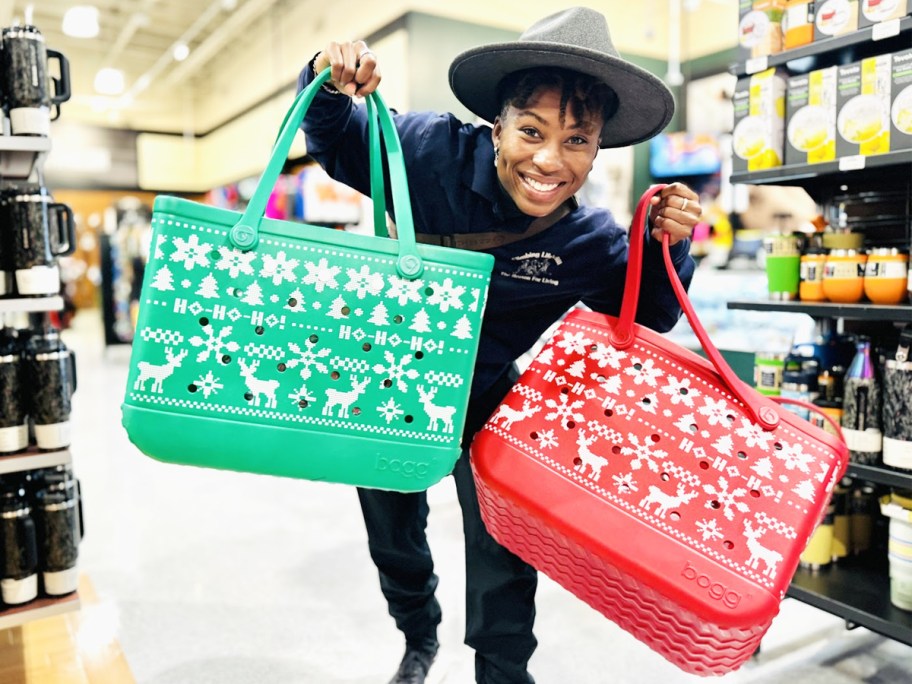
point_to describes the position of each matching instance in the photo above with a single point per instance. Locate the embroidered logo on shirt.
(534, 267)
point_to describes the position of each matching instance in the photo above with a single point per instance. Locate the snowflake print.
(625, 484)
(404, 290)
(710, 530)
(364, 282)
(794, 457)
(390, 410)
(643, 453)
(213, 343)
(547, 439)
(728, 500)
(191, 252)
(606, 355)
(680, 391)
(308, 359)
(208, 384)
(321, 275)
(396, 371)
(716, 412)
(279, 268)
(302, 398)
(445, 295)
(567, 412)
(754, 435)
(235, 261)
(643, 372)
(574, 343)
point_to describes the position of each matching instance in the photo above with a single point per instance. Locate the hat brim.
(645, 104)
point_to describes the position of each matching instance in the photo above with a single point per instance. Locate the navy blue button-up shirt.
(454, 188)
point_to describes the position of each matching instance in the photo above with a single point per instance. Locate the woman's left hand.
(675, 210)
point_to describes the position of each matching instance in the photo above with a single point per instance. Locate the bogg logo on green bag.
(404, 468)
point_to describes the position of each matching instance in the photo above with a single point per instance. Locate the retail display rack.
(19, 156)
(856, 589)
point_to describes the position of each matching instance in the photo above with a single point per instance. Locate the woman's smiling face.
(544, 160)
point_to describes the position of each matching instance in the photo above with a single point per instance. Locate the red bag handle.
(623, 335)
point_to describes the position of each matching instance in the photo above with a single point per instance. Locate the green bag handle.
(245, 234)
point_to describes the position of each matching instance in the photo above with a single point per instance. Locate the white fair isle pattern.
(667, 447)
(305, 332)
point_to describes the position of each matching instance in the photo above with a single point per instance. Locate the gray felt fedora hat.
(576, 39)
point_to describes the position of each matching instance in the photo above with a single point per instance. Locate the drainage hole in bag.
(665, 477)
(192, 387)
(346, 310)
(429, 291)
(409, 419)
(292, 302)
(570, 425)
(303, 403)
(356, 411)
(204, 321)
(259, 330)
(387, 383)
(565, 390)
(366, 346)
(704, 465)
(755, 493)
(314, 339)
(655, 438)
(419, 354)
(226, 359)
(248, 396)
(609, 413)
(728, 544)
(615, 449)
(281, 367)
(714, 504)
(398, 318)
(334, 375)
(533, 436)
(742, 455)
(675, 516)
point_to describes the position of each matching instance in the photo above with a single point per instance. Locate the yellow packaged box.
(811, 118)
(863, 104)
(760, 27)
(901, 107)
(759, 132)
(835, 18)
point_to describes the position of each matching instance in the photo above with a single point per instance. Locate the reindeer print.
(510, 415)
(435, 412)
(344, 400)
(258, 387)
(759, 552)
(666, 502)
(587, 458)
(158, 372)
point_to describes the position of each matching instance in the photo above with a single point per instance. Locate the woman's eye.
(531, 132)
(578, 140)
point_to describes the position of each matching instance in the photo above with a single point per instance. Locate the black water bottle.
(13, 412)
(19, 576)
(50, 381)
(58, 535)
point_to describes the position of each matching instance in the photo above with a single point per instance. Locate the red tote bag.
(653, 483)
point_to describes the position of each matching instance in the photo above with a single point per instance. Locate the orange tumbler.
(843, 275)
(885, 275)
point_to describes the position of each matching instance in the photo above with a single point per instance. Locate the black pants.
(500, 588)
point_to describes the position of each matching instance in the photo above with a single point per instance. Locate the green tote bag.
(288, 349)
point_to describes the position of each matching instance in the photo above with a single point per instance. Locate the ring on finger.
(365, 51)
(684, 206)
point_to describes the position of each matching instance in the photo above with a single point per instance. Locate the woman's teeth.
(540, 187)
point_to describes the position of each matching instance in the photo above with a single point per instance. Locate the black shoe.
(415, 664)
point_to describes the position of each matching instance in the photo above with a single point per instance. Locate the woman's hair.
(581, 92)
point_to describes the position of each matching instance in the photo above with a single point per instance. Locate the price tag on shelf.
(756, 65)
(885, 29)
(853, 163)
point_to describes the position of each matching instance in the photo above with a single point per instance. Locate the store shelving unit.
(18, 158)
(858, 588)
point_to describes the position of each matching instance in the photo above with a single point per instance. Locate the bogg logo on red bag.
(404, 468)
(716, 590)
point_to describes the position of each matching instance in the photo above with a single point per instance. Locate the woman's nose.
(547, 158)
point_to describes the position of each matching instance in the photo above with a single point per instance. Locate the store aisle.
(209, 577)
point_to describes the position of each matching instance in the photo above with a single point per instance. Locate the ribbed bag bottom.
(681, 636)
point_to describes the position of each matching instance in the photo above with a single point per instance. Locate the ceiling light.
(81, 21)
(109, 81)
(180, 52)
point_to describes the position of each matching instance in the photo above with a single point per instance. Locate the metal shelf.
(827, 172)
(865, 39)
(900, 313)
(18, 154)
(30, 304)
(881, 474)
(858, 590)
(34, 459)
(38, 609)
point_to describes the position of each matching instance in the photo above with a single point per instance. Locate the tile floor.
(211, 577)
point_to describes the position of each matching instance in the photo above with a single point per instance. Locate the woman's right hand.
(354, 67)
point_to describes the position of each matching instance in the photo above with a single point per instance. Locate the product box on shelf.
(759, 104)
(760, 27)
(835, 18)
(863, 104)
(872, 12)
(901, 108)
(798, 23)
(811, 117)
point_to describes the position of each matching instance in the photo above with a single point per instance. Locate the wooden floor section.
(79, 647)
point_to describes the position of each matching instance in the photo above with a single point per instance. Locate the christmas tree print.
(422, 322)
(163, 279)
(577, 369)
(336, 309)
(208, 288)
(379, 315)
(253, 295)
(462, 329)
(295, 301)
